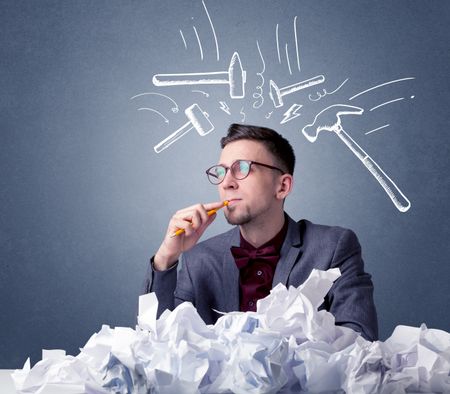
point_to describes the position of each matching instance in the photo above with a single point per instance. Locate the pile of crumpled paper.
(287, 346)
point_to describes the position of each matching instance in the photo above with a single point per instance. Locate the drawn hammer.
(329, 119)
(198, 120)
(235, 76)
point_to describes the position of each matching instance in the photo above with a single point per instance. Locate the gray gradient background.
(84, 200)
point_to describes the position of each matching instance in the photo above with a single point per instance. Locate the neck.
(258, 233)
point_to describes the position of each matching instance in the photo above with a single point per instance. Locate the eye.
(244, 167)
(219, 172)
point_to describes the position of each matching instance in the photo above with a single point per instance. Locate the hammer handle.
(191, 79)
(166, 142)
(395, 194)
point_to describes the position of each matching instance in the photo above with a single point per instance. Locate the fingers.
(213, 205)
(194, 218)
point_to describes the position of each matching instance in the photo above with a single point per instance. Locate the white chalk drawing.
(235, 77)
(287, 59)
(296, 43)
(200, 46)
(325, 93)
(278, 44)
(297, 53)
(224, 107)
(184, 41)
(329, 119)
(199, 42)
(243, 114)
(291, 113)
(213, 30)
(379, 86)
(386, 103)
(258, 95)
(200, 91)
(276, 93)
(378, 128)
(154, 110)
(197, 120)
(174, 109)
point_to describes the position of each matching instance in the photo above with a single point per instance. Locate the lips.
(233, 201)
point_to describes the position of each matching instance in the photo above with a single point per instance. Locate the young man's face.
(255, 197)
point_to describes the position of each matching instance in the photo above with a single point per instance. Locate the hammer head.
(275, 94)
(199, 119)
(237, 77)
(329, 119)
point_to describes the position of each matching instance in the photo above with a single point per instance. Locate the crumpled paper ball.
(286, 346)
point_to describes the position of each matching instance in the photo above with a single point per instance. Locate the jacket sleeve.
(162, 283)
(172, 287)
(350, 299)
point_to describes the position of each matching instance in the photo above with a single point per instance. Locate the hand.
(193, 220)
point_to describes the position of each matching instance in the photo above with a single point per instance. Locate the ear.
(286, 182)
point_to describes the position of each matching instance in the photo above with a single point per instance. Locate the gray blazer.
(208, 277)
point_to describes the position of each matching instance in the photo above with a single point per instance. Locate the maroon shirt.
(257, 268)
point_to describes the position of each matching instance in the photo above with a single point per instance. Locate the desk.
(6, 382)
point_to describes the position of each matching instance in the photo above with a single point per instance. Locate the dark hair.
(274, 142)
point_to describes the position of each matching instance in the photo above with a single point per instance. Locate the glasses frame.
(250, 163)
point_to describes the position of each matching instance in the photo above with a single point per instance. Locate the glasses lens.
(216, 174)
(240, 169)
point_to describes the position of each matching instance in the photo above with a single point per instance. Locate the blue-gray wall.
(84, 199)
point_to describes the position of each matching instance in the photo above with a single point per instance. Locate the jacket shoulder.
(325, 235)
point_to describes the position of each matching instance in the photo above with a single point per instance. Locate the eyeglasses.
(239, 169)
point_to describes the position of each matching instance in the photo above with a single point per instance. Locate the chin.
(236, 219)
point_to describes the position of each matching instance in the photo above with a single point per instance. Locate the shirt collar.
(276, 241)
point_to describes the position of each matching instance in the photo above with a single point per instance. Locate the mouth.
(232, 201)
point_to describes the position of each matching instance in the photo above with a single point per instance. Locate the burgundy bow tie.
(243, 256)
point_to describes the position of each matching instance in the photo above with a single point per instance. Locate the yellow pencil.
(210, 212)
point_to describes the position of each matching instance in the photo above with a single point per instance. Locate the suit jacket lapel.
(230, 276)
(290, 250)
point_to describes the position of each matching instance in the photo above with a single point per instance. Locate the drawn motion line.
(200, 91)
(278, 44)
(174, 109)
(184, 41)
(243, 114)
(386, 103)
(287, 59)
(259, 94)
(329, 119)
(378, 128)
(154, 110)
(199, 43)
(325, 93)
(379, 86)
(213, 30)
(296, 42)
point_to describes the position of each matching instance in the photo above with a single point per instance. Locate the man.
(233, 270)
